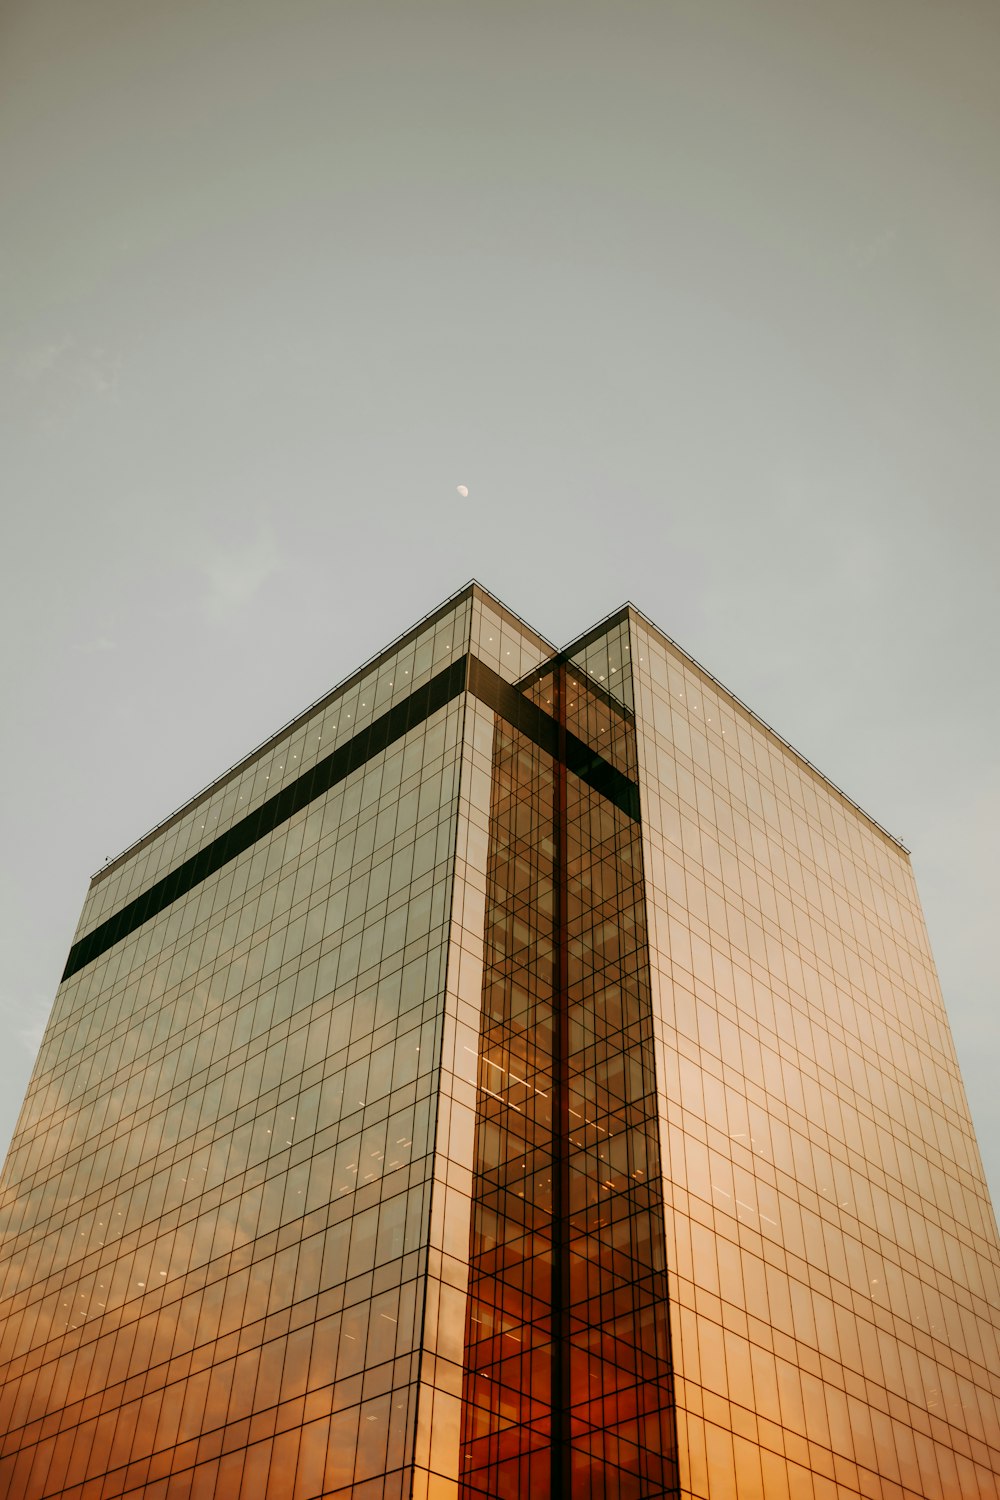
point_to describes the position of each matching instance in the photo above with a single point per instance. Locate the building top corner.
(637, 616)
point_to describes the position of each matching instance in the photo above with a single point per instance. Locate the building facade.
(524, 1075)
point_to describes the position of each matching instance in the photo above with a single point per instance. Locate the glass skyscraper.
(524, 1075)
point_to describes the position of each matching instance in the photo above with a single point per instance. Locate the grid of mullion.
(819, 1146)
(240, 1313)
(620, 1392)
(621, 1383)
(507, 1380)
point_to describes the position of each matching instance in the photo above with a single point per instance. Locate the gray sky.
(699, 299)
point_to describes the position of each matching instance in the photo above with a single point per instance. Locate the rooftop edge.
(470, 590)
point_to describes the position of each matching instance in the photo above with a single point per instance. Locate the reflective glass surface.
(216, 1214)
(389, 680)
(561, 1102)
(832, 1250)
(567, 1387)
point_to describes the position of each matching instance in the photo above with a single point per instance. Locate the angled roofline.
(803, 760)
(466, 591)
(473, 589)
(630, 610)
(602, 627)
(476, 589)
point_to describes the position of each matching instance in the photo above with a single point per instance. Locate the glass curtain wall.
(214, 1247)
(568, 1383)
(833, 1257)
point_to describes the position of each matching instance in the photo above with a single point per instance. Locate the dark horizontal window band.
(467, 671)
(539, 727)
(326, 773)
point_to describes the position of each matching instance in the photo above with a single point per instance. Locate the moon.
(463, 490)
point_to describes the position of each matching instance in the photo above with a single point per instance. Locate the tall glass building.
(524, 1075)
